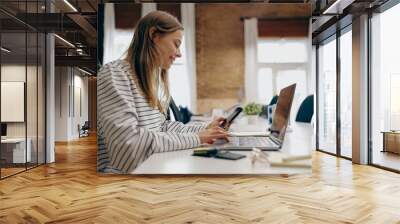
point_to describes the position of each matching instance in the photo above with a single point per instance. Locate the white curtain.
(250, 57)
(109, 30)
(188, 22)
(148, 7)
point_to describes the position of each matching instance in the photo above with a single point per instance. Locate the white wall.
(79, 117)
(69, 82)
(62, 81)
(312, 81)
(12, 73)
(33, 127)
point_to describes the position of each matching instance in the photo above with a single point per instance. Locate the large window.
(120, 42)
(335, 73)
(285, 50)
(346, 93)
(327, 96)
(282, 62)
(179, 79)
(385, 84)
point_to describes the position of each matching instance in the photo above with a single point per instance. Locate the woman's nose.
(178, 53)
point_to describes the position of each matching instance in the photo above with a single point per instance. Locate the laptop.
(274, 140)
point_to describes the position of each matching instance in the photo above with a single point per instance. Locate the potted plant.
(252, 110)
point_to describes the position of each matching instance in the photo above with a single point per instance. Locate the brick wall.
(220, 48)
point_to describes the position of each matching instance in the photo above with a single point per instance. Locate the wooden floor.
(70, 191)
(10, 171)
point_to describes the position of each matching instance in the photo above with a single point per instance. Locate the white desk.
(16, 147)
(299, 141)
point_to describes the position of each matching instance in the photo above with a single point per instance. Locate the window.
(179, 80)
(121, 43)
(264, 85)
(394, 101)
(279, 67)
(327, 97)
(285, 50)
(289, 77)
(385, 84)
(346, 94)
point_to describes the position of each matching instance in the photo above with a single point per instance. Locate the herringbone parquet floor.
(70, 191)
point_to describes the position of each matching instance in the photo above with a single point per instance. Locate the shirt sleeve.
(176, 126)
(129, 145)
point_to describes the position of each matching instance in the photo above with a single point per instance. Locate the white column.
(360, 90)
(109, 29)
(250, 56)
(50, 100)
(189, 23)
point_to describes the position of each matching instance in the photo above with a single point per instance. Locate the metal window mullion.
(369, 96)
(338, 95)
(26, 87)
(73, 91)
(317, 96)
(0, 93)
(37, 90)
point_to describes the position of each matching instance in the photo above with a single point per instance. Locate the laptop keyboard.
(253, 141)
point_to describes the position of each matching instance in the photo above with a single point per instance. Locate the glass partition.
(327, 96)
(14, 152)
(22, 88)
(41, 91)
(31, 98)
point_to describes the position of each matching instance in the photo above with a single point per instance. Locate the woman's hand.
(215, 123)
(210, 134)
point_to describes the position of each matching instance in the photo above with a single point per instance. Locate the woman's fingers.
(218, 130)
(216, 122)
(219, 119)
(209, 135)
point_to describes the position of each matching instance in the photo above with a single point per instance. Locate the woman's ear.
(152, 33)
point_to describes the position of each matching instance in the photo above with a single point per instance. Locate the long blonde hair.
(145, 58)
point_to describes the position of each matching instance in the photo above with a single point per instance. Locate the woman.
(133, 99)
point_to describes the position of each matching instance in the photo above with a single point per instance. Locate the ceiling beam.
(86, 26)
(81, 61)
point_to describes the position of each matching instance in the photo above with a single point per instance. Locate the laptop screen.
(282, 112)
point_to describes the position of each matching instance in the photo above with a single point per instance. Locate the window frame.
(335, 36)
(378, 10)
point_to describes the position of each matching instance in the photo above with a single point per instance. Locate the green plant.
(252, 109)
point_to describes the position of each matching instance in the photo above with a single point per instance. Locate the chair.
(181, 114)
(264, 112)
(175, 111)
(186, 114)
(84, 130)
(274, 100)
(306, 110)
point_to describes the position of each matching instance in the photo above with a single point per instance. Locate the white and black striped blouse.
(129, 129)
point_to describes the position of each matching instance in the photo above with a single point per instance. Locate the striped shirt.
(129, 129)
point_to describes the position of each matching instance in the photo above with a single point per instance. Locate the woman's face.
(169, 47)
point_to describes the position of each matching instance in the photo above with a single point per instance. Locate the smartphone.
(229, 155)
(231, 117)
